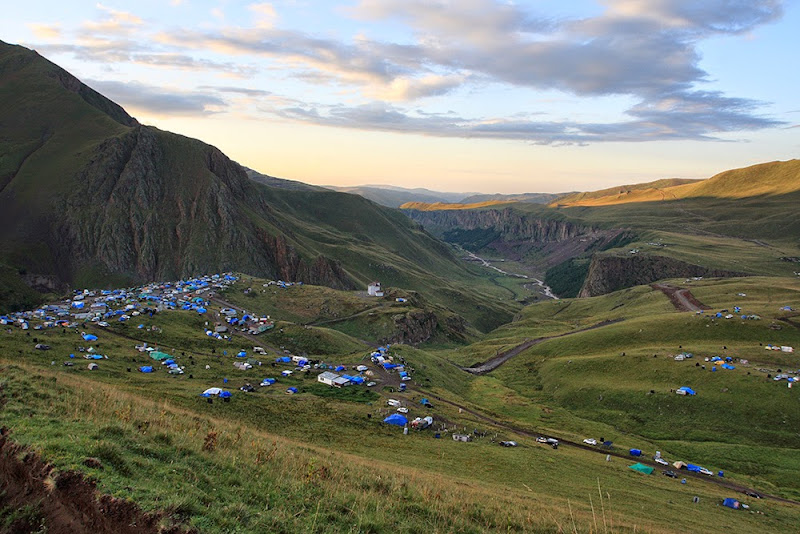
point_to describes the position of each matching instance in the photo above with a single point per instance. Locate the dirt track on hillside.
(64, 502)
(500, 359)
(681, 298)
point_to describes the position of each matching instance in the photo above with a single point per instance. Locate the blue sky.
(467, 95)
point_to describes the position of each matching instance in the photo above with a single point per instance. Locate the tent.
(339, 368)
(156, 355)
(727, 366)
(291, 390)
(146, 369)
(679, 465)
(241, 354)
(647, 470)
(693, 468)
(685, 390)
(225, 395)
(396, 419)
(92, 366)
(267, 381)
(731, 503)
(635, 452)
(88, 337)
(211, 391)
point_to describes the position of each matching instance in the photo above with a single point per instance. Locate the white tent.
(212, 391)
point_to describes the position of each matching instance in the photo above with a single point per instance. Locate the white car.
(402, 409)
(102, 323)
(590, 441)
(706, 472)
(370, 384)
(661, 461)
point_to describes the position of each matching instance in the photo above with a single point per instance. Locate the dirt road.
(503, 357)
(681, 298)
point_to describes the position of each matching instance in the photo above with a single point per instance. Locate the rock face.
(511, 225)
(419, 326)
(609, 273)
(146, 212)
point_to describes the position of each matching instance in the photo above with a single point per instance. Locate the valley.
(380, 359)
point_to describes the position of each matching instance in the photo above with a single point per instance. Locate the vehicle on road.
(541, 439)
(752, 494)
(590, 441)
(370, 384)
(402, 409)
(671, 474)
(661, 461)
(706, 472)
(508, 443)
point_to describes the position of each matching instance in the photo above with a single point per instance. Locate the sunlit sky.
(451, 95)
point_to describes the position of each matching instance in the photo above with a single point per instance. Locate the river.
(545, 289)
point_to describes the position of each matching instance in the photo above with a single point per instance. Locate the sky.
(451, 95)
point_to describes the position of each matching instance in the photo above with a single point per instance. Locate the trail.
(681, 298)
(500, 359)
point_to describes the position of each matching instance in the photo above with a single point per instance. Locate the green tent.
(159, 355)
(642, 468)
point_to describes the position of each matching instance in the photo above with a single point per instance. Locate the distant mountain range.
(395, 197)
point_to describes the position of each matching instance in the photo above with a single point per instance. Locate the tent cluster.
(782, 348)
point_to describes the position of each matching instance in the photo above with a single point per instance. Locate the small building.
(462, 437)
(374, 289)
(332, 379)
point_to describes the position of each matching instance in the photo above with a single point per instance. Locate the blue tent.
(425, 402)
(242, 354)
(169, 361)
(225, 395)
(688, 390)
(201, 310)
(283, 359)
(339, 368)
(146, 369)
(727, 366)
(396, 419)
(268, 381)
(387, 365)
(693, 468)
(731, 503)
(89, 337)
(291, 390)
(635, 452)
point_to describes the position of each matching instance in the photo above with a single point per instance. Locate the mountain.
(763, 180)
(281, 183)
(533, 198)
(394, 197)
(91, 197)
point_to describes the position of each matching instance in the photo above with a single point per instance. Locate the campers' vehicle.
(402, 409)
(590, 441)
(362, 368)
(661, 461)
(508, 443)
(393, 402)
(752, 494)
(259, 350)
(706, 472)
(670, 474)
(370, 384)
(102, 323)
(541, 439)
(552, 441)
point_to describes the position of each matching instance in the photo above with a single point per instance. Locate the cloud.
(115, 23)
(45, 31)
(236, 90)
(158, 100)
(265, 14)
(694, 116)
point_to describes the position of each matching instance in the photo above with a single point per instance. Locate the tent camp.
(396, 419)
(642, 468)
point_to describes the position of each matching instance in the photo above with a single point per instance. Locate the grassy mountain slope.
(93, 198)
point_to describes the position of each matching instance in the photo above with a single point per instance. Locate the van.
(259, 350)
(393, 402)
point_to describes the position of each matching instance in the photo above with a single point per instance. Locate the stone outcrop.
(609, 273)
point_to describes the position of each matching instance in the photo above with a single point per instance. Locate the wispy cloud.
(158, 100)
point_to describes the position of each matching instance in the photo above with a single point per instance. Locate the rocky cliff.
(511, 225)
(609, 273)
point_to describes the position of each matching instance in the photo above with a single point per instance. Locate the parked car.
(541, 439)
(370, 384)
(590, 441)
(508, 443)
(402, 409)
(752, 494)
(671, 474)
(661, 461)
(102, 323)
(706, 472)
